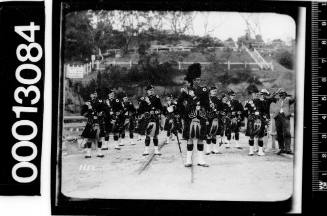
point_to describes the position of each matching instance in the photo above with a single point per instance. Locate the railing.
(255, 55)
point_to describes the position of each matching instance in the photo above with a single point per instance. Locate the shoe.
(280, 152)
(201, 161)
(260, 152)
(146, 151)
(156, 151)
(203, 165)
(188, 159)
(88, 153)
(251, 153)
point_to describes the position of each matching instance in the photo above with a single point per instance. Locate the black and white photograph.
(178, 105)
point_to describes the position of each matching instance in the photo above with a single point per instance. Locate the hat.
(149, 87)
(231, 92)
(282, 92)
(252, 89)
(264, 92)
(193, 71)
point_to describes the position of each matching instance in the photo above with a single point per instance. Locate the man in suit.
(282, 115)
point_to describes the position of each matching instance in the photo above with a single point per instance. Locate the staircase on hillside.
(256, 56)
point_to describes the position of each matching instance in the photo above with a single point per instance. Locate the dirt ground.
(232, 175)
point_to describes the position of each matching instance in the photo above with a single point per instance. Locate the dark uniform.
(254, 111)
(213, 122)
(150, 109)
(236, 118)
(172, 121)
(129, 114)
(114, 119)
(95, 126)
(195, 122)
(224, 119)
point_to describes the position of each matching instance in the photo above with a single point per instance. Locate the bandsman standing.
(254, 110)
(129, 113)
(195, 126)
(151, 109)
(236, 118)
(114, 119)
(171, 121)
(92, 109)
(213, 123)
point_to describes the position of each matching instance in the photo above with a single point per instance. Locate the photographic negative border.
(64, 205)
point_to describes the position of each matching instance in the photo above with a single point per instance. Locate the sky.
(224, 25)
(232, 24)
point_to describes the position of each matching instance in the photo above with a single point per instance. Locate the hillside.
(280, 77)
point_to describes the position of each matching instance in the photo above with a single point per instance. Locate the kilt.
(189, 131)
(91, 131)
(235, 124)
(142, 124)
(223, 125)
(255, 126)
(152, 128)
(129, 124)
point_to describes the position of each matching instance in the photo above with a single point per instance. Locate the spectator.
(282, 120)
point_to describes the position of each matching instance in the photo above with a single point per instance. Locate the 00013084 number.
(24, 140)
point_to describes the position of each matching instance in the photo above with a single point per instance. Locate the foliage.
(285, 58)
(78, 41)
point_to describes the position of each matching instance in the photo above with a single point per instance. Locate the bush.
(285, 58)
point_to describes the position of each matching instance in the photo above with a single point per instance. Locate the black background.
(17, 14)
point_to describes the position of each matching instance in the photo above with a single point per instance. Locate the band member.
(171, 122)
(195, 121)
(225, 112)
(129, 113)
(255, 128)
(114, 119)
(236, 118)
(140, 123)
(151, 109)
(92, 109)
(213, 122)
(282, 117)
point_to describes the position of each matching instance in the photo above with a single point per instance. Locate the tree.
(179, 22)
(78, 36)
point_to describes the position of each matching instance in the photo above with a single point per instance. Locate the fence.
(77, 71)
(182, 65)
